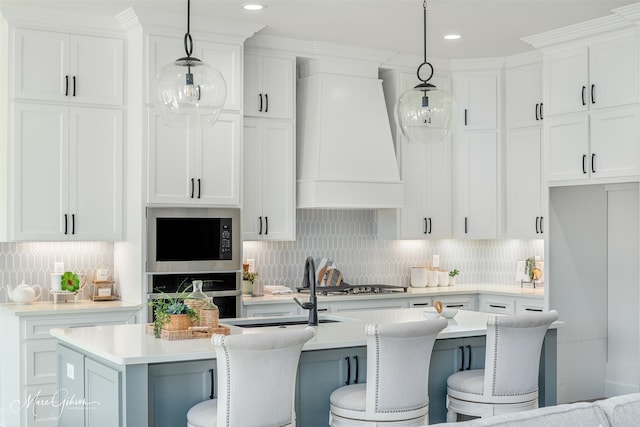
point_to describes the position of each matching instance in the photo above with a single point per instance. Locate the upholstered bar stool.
(509, 382)
(256, 380)
(396, 392)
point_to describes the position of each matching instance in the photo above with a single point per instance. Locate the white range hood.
(345, 153)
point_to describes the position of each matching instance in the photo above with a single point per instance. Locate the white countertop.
(130, 344)
(483, 288)
(43, 308)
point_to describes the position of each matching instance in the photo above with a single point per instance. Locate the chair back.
(398, 358)
(512, 356)
(256, 377)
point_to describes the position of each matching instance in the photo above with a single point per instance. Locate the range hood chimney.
(345, 153)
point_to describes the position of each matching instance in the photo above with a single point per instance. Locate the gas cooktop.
(346, 288)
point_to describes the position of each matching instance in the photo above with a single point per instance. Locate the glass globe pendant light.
(424, 112)
(187, 91)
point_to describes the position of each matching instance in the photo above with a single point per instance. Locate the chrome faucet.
(309, 281)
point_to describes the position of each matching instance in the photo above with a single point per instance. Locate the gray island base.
(129, 378)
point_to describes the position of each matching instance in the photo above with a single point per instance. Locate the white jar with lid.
(418, 277)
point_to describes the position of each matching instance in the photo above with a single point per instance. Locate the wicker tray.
(193, 332)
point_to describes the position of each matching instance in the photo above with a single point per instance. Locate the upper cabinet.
(591, 110)
(50, 66)
(198, 166)
(524, 96)
(601, 75)
(426, 173)
(269, 86)
(475, 93)
(227, 58)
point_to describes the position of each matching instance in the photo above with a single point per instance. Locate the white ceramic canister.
(418, 277)
(443, 278)
(56, 282)
(432, 278)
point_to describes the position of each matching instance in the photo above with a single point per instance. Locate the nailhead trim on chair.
(375, 333)
(228, 365)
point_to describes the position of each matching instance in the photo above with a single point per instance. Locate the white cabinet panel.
(496, 304)
(566, 81)
(524, 96)
(476, 95)
(67, 173)
(40, 362)
(59, 67)
(268, 180)
(269, 86)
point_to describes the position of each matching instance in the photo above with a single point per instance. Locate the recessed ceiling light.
(452, 36)
(253, 6)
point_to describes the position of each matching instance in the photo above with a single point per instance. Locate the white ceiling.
(488, 28)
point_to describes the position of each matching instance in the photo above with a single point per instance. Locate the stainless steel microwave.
(189, 240)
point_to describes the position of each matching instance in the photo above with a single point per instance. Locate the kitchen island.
(129, 378)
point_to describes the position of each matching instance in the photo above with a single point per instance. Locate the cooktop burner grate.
(346, 288)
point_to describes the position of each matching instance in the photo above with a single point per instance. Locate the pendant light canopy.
(424, 112)
(189, 92)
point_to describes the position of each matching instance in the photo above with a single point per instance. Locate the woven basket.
(209, 317)
(177, 322)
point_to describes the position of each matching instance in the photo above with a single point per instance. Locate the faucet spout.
(309, 281)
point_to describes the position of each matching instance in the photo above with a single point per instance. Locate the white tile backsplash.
(349, 237)
(33, 262)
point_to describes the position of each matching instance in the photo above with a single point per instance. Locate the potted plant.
(171, 313)
(452, 277)
(247, 282)
(531, 270)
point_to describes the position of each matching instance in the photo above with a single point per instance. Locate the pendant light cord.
(188, 41)
(424, 33)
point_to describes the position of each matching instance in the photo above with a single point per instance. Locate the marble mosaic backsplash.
(349, 237)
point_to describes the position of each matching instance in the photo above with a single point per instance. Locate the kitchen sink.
(281, 322)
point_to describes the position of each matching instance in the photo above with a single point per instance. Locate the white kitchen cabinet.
(600, 144)
(476, 93)
(51, 66)
(528, 305)
(476, 214)
(227, 58)
(269, 209)
(196, 166)
(355, 303)
(66, 169)
(460, 301)
(599, 75)
(29, 368)
(525, 203)
(524, 96)
(426, 173)
(269, 85)
(284, 308)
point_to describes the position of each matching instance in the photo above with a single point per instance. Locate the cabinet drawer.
(39, 329)
(528, 306)
(40, 359)
(38, 408)
(271, 310)
(465, 302)
(420, 302)
(497, 305)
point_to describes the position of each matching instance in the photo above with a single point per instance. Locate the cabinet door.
(41, 64)
(278, 180)
(524, 183)
(524, 96)
(415, 175)
(40, 171)
(96, 70)
(175, 387)
(319, 373)
(478, 97)
(252, 173)
(478, 186)
(566, 78)
(613, 72)
(70, 383)
(438, 198)
(217, 162)
(103, 394)
(169, 168)
(95, 165)
(566, 140)
(269, 86)
(614, 142)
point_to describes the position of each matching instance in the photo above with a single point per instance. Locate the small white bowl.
(449, 313)
(431, 314)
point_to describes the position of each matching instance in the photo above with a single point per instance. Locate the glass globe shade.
(189, 93)
(424, 114)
